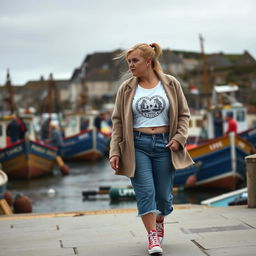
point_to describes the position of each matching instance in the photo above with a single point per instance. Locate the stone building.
(95, 82)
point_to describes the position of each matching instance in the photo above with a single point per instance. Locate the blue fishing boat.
(249, 135)
(210, 123)
(86, 145)
(26, 158)
(84, 141)
(219, 163)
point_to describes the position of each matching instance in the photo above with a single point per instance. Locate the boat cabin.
(211, 123)
(77, 122)
(5, 120)
(224, 103)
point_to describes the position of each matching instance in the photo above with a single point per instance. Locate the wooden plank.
(5, 208)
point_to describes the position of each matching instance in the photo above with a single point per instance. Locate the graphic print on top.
(150, 107)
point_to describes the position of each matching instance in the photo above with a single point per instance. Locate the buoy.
(9, 198)
(191, 181)
(62, 166)
(22, 204)
(51, 192)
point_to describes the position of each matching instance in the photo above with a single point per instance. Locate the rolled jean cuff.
(157, 212)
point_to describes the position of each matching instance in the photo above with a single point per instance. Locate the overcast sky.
(39, 37)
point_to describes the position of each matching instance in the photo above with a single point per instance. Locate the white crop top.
(150, 107)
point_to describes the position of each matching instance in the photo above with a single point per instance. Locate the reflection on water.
(57, 193)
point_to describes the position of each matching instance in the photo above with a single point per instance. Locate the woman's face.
(137, 64)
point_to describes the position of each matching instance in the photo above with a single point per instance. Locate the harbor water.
(57, 193)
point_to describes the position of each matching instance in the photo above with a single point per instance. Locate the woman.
(150, 128)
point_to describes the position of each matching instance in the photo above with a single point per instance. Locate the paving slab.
(41, 252)
(234, 251)
(227, 240)
(189, 230)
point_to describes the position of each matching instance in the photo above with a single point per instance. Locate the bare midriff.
(152, 130)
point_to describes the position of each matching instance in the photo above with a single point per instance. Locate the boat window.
(84, 123)
(199, 123)
(1, 130)
(27, 126)
(240, 115)
(73, 122)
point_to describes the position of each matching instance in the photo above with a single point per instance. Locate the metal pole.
(233, 151)
(205, 72)
(251, 180)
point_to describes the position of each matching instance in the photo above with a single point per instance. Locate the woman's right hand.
(114, 162)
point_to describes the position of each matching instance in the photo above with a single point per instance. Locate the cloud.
(39, 37)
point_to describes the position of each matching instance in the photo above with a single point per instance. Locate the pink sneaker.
(160, 230)
(154, 243)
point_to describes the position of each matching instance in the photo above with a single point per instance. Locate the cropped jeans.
(154, 174)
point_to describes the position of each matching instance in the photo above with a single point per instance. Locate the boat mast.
(83, 94)
(53, 97)
(50, 94)
(205, 72)
(10, 98)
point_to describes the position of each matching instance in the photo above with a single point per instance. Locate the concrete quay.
(190, 230)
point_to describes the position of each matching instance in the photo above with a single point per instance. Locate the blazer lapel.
(171, 94)
(128, 96)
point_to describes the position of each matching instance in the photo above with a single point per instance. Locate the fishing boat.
(219, 163)
(249, 135)
(210, 123)
(83, 141)
(26, 158)
(237, 197)
(3, 183)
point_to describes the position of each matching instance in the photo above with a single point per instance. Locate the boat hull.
(27, 159)
(219, 163)
(249, 135)
(87, 145)
(232, 198)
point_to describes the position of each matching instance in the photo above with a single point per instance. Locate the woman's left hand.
(173, 145)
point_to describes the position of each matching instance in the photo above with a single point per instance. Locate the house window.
(105, 66)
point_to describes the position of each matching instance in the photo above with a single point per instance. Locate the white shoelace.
(153, 239)
(159, 228)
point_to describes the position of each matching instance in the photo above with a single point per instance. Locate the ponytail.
(152, 51)
(155, 62)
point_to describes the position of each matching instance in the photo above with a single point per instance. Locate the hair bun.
(153, 46)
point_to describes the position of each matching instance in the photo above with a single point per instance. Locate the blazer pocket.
(122, 146)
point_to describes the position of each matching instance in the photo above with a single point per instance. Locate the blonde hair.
(152, 51)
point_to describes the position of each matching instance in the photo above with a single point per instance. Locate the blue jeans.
(154, 174)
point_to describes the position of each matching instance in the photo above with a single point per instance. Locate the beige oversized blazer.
(122, 141)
